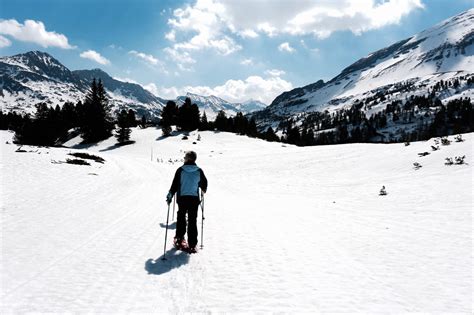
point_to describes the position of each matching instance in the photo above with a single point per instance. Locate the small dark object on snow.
(194, 142)
(449, 161)
(199, 138)
(417, 166)
(184, 138)
(20, 149)
(435, 148)
(77, 162)
(88, 156)
(423, 154)
(459, 160)
(383, 192)
(459, 138)
(445, 141)
(407, 143)
(436, 141)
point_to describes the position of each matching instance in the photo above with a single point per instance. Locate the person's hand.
(169, 197)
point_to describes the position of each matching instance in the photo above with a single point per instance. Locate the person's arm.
(175, 185)
(203, 181)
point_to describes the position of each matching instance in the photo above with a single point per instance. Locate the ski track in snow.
(287, 229)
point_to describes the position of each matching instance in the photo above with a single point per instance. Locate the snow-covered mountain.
(211, 105)
(34, 77)
(250, 106)
(408, 67)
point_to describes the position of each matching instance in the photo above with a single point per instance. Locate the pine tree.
(270, 135)
(293, 135)
(132, 119)
(188, 116)
(169, 114)
(123, 131)
(96, 121)
(204, 123)
(252, 128)
(195, 117)
(143, 122)
(221, 121)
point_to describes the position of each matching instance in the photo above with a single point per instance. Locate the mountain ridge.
(444, 50)
(36, 77)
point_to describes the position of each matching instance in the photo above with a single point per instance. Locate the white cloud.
(253, 87)
(200, 26)
(4, 42)
(247, 62)
(126, 80)
(152, 88)
(275, 72)
(147, 58)
(248, 33)
(182, 58)
(171, 36)
(113, 46)
(33, 32)
(95, 56)
(209, 23)
(267, 29)
(286, 47)
(318, 17)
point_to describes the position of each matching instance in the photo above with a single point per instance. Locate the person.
(186, 183)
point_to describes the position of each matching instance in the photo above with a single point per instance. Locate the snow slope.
(287, 229)
(442, 52)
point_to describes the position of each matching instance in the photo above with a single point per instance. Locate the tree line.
(187, 118)
(427, 116)
(91, 118)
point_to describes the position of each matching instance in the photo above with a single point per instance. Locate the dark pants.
(189, 205)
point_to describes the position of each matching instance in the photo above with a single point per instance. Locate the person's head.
(190, 157)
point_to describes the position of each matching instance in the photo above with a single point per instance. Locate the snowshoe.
(192, 250)
(180, 244)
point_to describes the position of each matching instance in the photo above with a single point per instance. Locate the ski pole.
(202, 220)
(174, 205)
(166, 233)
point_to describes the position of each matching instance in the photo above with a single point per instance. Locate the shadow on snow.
(174, 260)
(117, 145)
(171, 226)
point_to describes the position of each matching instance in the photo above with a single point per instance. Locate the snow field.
(287, 229)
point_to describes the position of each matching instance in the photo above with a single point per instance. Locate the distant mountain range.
(407, 68)
(213, 104)
(37, 77)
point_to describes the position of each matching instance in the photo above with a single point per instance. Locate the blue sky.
(233, 49)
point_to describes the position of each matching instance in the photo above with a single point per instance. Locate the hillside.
(287, 229)
(410, 68)
(34, 77)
